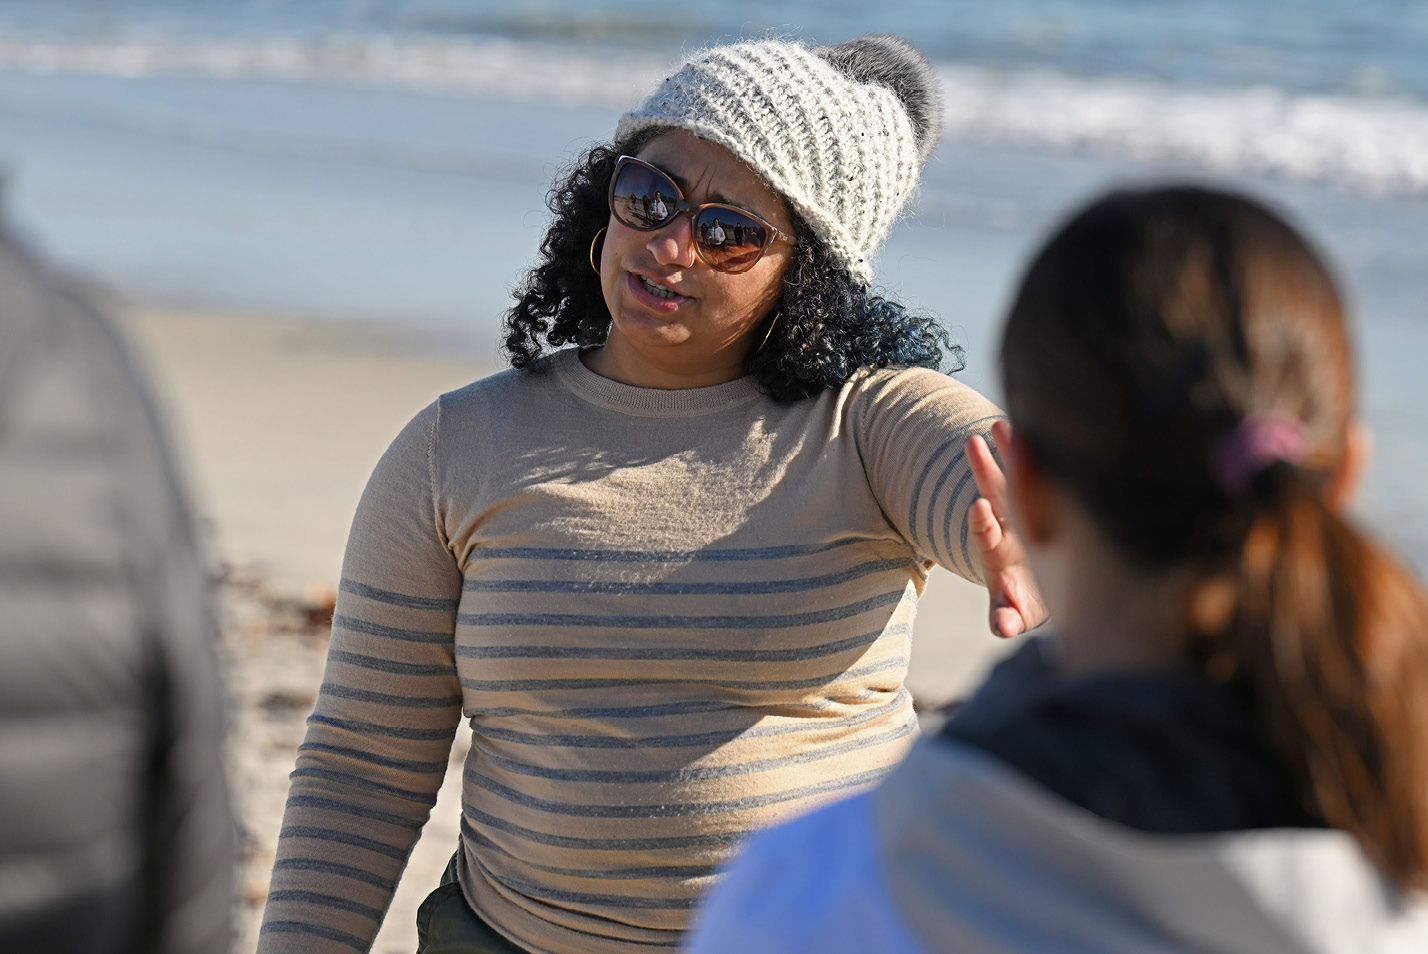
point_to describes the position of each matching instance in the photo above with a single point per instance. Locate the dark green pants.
(447, 925)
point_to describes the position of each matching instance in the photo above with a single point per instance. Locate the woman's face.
(699, 335)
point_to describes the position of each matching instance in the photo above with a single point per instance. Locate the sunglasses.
(726, 237)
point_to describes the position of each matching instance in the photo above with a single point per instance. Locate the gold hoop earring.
(767, 333)
(593, 267)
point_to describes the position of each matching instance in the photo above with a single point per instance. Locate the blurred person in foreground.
(1224, 745)
(115, 828)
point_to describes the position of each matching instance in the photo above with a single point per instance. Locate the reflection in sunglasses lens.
(729, 239)
(643, 199)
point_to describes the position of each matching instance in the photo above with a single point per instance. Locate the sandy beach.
(278, 423)
(387, 161)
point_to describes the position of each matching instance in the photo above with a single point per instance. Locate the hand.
(1015, 600)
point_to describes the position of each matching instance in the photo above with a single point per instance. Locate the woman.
(668, 575)
(1222, 748)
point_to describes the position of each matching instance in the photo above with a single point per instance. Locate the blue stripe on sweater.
(334, 868)
(584, 897)
(378, 664)
(695, 588)
(958, 442)
(663, 556)
(339, 691)
(327, 901)
(666, 809)
(662, 872)
(393, 598)
(314, 930)
(356, 811)
(366, 784)
(389, 731)
(344, 838)
(716, 840)
(783, 621)
(358, 625)
(698, 738)
(686, 774)
(532, 685)
(401, 765)
(672, 653)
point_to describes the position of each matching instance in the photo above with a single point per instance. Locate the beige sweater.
(671, 618)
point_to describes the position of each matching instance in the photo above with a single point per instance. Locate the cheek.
(766, 284)
(607, 257)
(619, 242)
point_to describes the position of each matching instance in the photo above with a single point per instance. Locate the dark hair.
(1145, 331)
(828, 325)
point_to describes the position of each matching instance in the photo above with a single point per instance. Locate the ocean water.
(387, 161)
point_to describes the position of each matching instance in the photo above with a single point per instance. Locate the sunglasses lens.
(729, 239)
(643, 198)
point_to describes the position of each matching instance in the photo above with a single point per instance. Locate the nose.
(674, 243)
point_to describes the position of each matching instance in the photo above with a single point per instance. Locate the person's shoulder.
(912, 395)
(506, 392)
(804, 885)
(899, 376)
(892, 385)
(48, 315)
(506, 384)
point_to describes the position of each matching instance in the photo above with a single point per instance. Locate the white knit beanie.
(840, 132)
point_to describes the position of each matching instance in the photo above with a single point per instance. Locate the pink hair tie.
(1256, 442)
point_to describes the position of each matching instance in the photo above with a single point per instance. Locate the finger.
(1006, 622)
(986, 529)
(991, 482)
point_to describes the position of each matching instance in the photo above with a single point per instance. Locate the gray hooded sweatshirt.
(957, 852)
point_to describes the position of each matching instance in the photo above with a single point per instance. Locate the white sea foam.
(1373, 144)
(477, 67)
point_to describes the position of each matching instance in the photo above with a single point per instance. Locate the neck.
(1109, 613)
(610, 362)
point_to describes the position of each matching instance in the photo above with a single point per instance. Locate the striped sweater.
(670, 617)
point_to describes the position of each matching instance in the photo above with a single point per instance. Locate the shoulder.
(811, 884)
(58, 344)
(919, 393)
(510, 399)
(503, 388)
(70, 379)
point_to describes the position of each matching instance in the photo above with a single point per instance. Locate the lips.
(655, 295)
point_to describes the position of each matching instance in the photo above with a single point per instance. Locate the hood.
(976, 852)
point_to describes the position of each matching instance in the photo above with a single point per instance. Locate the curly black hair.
(827, 324)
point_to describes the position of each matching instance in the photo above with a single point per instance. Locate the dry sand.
(278, 423)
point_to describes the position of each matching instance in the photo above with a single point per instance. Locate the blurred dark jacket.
(116, 833)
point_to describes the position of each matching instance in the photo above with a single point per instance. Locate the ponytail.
(1332, 635)
(1180, 360)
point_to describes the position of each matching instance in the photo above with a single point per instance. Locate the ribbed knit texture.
(671, 617)
(841, 152)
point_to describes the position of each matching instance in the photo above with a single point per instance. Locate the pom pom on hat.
(892, 61)
(840, 132)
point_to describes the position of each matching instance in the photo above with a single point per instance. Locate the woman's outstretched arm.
(914, 429)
